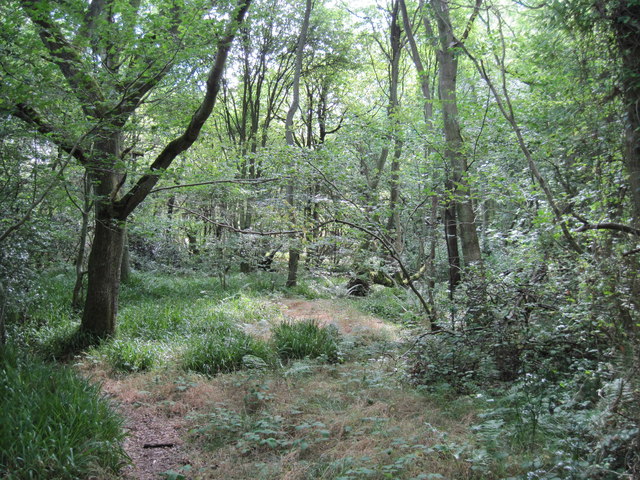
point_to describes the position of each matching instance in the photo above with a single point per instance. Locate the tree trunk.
(101, 305)
(294, 258)
(105, 259)
(451, 237)
(294, 252)
(3, 302)
(125, 264)
(76, 299)
(394, 225)
(625, 24)
(454, 151)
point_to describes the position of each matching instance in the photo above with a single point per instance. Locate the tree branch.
(472, 18)
(239, 230)
(67, 58)
(34, 204)
(30, 116)
(249, 181)
(145, 184)
(431, 325)
(609, 226)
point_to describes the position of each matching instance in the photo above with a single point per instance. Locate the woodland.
(269, 239)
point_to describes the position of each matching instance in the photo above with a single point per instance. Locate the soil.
(154, 442)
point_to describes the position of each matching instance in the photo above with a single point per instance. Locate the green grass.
(131, 356)
(394, 304)
(295, 340)
(224, 350)
(54, 424)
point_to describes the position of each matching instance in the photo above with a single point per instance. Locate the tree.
(624, 18)
(294, 252)
(120, 53)
(455, 148)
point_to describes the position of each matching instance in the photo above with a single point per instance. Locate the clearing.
(308, 420)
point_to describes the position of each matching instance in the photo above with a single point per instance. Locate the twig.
(240, 230)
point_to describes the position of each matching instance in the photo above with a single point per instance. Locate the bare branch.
(247, 181)
(610, 226)
(260, 233)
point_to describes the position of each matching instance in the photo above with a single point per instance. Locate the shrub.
(54, 424)
(223, 351)
(305, 339)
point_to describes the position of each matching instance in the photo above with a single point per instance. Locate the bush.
(54, 424)
(305, 339)
(224, 351)
(459, 361)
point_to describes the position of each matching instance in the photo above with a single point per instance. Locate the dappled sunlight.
(346, 318)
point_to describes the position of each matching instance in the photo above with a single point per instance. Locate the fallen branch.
(158, 445)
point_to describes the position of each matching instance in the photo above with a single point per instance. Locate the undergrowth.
(536, 393)
(296, 340)
(224, 351)
(54, 424)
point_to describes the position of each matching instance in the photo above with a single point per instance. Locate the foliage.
(295, 340)
(222, 350)
(544, 336)
(53, 423)
(393, 304)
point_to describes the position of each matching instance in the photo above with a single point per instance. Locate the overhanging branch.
(145, 184)
(619, 227)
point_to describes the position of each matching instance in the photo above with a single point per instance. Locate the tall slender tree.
(294, 252)
(455, 147)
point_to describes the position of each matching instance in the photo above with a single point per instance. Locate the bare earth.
(147, 424)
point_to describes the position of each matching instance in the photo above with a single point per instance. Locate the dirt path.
(154, 442)
(155, 421)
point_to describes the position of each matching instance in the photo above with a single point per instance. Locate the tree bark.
(76, 299)
(454, 149)
(101, 305)
(105, 259)
(395, 41)
(451, 238)
(625, 19)
(3, 302)
(125, 263)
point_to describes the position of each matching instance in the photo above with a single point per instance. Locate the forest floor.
(309, 420)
